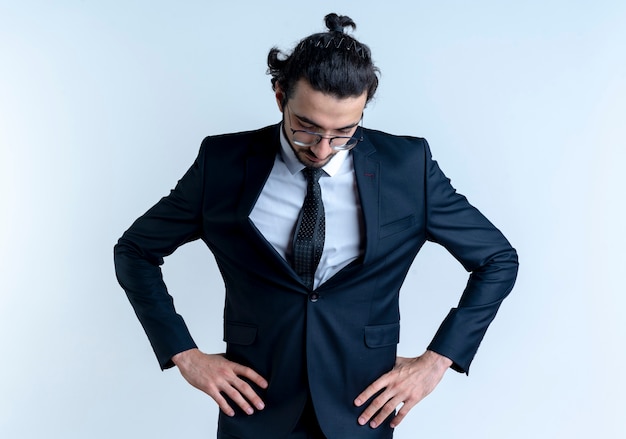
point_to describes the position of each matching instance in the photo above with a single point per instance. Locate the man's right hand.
(214, 375)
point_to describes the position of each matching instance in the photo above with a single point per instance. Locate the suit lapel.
(259, 164)
(367, 170)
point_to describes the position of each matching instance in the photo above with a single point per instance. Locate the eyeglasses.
(307, 138)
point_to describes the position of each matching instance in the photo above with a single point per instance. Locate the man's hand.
(410, 381)
(214, 375)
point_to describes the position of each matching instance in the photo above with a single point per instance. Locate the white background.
(103, 106)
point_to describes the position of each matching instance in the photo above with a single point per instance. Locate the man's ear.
(280, 96)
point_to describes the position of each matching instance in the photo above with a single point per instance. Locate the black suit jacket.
(338, 339)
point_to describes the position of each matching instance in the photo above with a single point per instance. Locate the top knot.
(337, 23)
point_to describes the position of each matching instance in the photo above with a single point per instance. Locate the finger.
(404, 410)
(223, 404)
(371, 390)
(248, 392)
(228, 387)
(384, 413)
(251, 374)
(373, 408)
(235, 395)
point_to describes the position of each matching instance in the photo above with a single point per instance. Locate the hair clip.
(351, 45)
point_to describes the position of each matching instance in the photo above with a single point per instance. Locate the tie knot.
(312, 175)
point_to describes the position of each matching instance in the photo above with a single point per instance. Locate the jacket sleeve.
(482, 250)
(138, 255)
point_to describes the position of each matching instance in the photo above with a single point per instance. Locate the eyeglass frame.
(330, 139)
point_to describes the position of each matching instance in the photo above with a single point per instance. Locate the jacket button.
(314, 296)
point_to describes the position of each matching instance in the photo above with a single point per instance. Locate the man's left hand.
(410, 381)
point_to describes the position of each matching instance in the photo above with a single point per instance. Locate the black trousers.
(306, 428)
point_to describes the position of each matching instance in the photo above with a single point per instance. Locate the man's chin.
(309, 162)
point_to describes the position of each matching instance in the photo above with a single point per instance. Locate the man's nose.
(323, 148)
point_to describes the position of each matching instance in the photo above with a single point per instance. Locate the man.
(314, 224)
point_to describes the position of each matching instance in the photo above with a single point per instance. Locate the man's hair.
(332, 62)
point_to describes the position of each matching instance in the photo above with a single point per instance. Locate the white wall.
(103, 106)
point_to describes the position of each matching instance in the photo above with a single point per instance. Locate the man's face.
(317, 112)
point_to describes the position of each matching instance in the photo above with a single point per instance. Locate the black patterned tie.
(308, 241)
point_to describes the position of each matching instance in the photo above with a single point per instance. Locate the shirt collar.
(294, 165)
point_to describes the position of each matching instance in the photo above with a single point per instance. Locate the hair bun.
(336, 23)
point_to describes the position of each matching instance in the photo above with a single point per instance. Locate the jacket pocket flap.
(397, 226)
(238, 333)
(377, 336)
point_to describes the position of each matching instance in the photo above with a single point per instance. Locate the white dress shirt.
(277, 208)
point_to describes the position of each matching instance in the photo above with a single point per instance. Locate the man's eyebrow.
(310, 122)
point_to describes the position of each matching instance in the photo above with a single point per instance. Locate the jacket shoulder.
(394, 147)
(376, 136)
(227, 149)
(264, 134)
